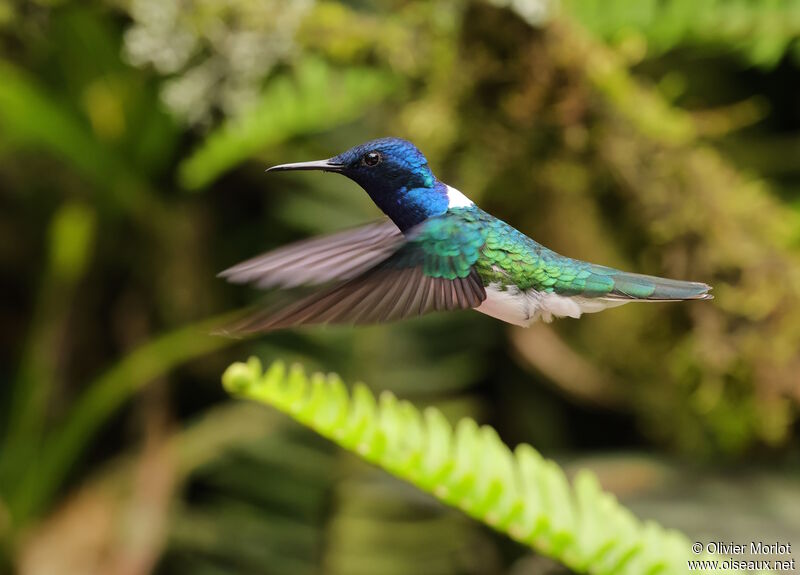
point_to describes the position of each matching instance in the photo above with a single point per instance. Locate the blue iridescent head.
(394, 173)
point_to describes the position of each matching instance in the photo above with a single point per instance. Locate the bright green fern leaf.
(518, 493)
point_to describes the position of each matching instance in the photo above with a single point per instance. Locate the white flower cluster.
(215, 52)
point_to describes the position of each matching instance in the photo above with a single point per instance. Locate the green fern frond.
(518, 493)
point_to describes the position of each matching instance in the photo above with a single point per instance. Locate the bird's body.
(438, 251)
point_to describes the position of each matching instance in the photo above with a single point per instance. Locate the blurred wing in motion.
(432, 271)
(380, 295)
(339, 256)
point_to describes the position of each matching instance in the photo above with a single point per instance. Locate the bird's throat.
(408, 207)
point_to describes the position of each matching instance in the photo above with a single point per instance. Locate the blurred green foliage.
(285, 110)
(760, 32)
(661, 137)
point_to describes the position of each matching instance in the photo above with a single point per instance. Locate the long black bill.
(324, 165)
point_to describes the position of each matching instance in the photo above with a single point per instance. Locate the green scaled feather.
(445, 246)
(510, 258)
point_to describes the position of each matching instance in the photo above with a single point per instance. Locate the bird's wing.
(339, 256)
(432, 271)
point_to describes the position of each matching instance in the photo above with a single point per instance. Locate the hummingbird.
(435, 251)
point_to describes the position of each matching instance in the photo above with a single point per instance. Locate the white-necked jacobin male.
(437, 251)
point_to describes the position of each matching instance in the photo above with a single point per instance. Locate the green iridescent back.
(510, 258)
(468, 240)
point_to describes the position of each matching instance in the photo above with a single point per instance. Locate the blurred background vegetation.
(662, 136)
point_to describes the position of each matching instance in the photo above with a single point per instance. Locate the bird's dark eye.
(372, 159)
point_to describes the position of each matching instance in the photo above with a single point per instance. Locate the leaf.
(34, 119)
(44, 474)
(30, 117)
(520, 494)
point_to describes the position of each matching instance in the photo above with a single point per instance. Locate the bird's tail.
(640, 287)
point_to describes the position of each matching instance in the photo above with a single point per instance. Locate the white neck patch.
(456, 199)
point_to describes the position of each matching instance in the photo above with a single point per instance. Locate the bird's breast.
(507, 303)
(518, 307)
